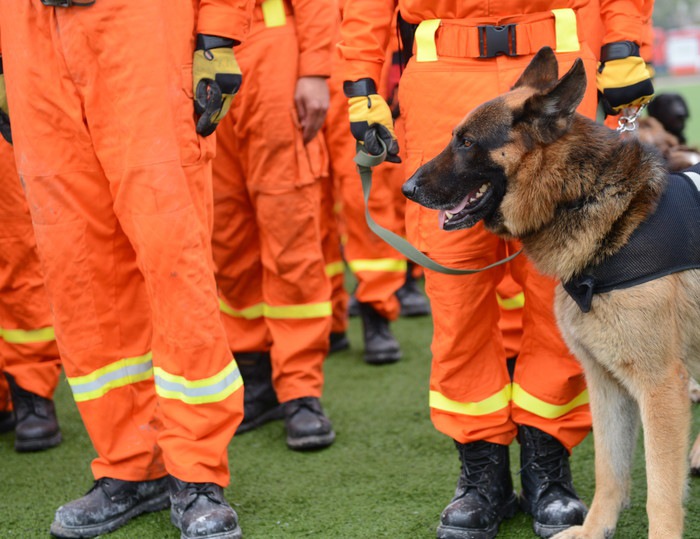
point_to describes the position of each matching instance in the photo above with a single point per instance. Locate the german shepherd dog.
(573, 192)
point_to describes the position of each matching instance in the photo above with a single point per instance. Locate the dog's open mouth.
(466, 213)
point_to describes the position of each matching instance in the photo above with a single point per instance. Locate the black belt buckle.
(495, 40)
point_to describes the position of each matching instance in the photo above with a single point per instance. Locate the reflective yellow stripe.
(425, 41)
(566, 30)
(489, 405)
(27, 336)
(213, 389)
(335, 268)
(378, 264)
(310, 310)
(249, 313)
(118, 374)
(510, 304)
(544, 409)
(273, 13)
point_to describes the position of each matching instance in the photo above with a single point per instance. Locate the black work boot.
(260, 402)
(108, 505)
(307, 426)
(36, 425)
(199, 510)
(413, 301)
(338, 342)
(380, 344)
(484, 495)
(7, 421)
(548, 492)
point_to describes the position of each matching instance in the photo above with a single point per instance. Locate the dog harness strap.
(667, 242)
(365, 162)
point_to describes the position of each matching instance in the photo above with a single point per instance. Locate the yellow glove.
(4, 110)
(623, 77)
(216, 79)
(370, 118)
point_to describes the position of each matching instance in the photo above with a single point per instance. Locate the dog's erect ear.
(542, 71)
(552, 110)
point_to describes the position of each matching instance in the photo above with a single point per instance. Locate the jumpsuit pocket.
(193, 147)
(312, 158)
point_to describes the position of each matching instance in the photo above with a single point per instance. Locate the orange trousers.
(380, 270)
(28, 348)
(267, 237)
(119, 189)
(471, 394)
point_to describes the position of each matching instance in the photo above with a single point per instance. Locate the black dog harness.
(668, 241)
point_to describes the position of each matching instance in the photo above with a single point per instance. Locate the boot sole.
(308, 443)
(382, 358)
(148, 506)
(271, 415)
(451, 532)
(37, 444)
(236, 533)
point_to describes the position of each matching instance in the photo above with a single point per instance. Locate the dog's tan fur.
(573, 192)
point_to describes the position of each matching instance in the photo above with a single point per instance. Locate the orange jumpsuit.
(119, 189)
(471, 395)
(28, 348)
(267, 239)
(379, 269)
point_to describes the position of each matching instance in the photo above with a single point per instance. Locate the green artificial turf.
(389, 474)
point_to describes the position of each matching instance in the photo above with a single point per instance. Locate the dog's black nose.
(409, 188)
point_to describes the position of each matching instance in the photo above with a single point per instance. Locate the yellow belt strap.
(566, 30)
(425, 41)
(273, 13)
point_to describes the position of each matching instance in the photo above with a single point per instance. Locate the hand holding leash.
(371, 122)
(623, 78)
(216, 80)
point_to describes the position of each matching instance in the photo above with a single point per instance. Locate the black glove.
(216, 79)
(370, 119)
(623, 78)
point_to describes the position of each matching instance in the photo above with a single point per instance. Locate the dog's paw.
(694, 390)
(576, 532)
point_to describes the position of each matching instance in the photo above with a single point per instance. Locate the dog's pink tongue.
(456, 209)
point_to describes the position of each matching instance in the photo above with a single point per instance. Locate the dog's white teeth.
(483, 189)
(448, 216)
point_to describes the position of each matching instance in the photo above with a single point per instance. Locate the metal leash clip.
(628, 118)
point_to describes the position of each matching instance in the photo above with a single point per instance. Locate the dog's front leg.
(615, 430)
(666, 418)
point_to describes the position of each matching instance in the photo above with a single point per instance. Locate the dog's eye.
(467, 143)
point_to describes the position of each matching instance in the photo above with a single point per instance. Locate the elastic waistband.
(482, 38)
(272, 12)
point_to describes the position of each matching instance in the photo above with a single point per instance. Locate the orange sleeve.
(225, 18)
(624, 20)
(365, 32)
(317, 24)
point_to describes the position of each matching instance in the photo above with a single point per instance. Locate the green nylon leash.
(365, 162)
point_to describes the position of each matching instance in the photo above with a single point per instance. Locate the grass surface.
(389, 474)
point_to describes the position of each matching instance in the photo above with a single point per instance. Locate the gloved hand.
(370, 118)
(623, 78)
(4, 111)
(216, 79)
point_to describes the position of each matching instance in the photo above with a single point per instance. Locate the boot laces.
(195, 490)
(475, 468)
(550, 462)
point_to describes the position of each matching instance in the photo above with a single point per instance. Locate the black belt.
(67, 3)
